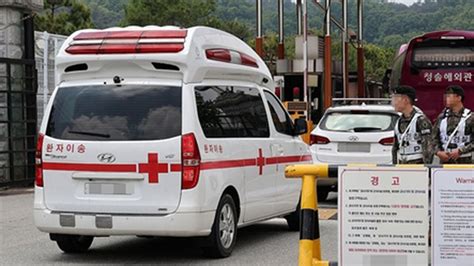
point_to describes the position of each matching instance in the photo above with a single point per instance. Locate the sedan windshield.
(350, 122)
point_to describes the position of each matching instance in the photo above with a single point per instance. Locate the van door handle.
(277, 150)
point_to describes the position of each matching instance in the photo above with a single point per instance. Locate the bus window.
(444, 54)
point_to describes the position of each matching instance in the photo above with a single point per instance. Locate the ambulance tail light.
(218, 55)
(316, 139)
(387, 141)
(39, 161)
(248, 60)
(191, 161)
(230, 56)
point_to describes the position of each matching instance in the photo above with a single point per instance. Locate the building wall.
(17, 92)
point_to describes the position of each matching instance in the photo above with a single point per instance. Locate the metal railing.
(18, 118)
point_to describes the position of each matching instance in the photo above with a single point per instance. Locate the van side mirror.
(301, 126)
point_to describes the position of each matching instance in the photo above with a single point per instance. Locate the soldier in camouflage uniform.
(453, 134)
(413, 130)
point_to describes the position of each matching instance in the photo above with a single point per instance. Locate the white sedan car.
(353, 134)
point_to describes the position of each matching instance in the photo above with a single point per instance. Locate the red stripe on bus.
(90, 167)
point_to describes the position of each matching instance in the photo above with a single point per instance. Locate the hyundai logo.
(353, 138)
(106, 158)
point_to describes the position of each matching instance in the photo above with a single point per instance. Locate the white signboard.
(383, 216)
(452, 217)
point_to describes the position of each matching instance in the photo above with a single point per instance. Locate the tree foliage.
(182, 13)
(107, 13)
(386, 25)
(63, 17)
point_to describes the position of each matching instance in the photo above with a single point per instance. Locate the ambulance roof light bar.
(128, 42)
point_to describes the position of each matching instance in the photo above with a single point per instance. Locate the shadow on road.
(177, 250)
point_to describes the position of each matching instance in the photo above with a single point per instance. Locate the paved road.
(267, 243)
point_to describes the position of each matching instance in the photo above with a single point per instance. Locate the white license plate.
(107, 189)
(353, 147)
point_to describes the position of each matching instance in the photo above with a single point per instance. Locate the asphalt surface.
(266, 243)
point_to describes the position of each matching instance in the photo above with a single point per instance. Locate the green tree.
(463, 19)
(64, 17)
(377, 59)
(234, 27)
(106, 13)
(183, 13)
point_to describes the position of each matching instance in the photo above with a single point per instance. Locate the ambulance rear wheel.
(221, 242)
(293, 220)
(74, 243)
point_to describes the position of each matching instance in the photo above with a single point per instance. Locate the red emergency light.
(229, 56)
(128, 42)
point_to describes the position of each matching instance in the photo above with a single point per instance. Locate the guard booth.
(290, 72)
(18, 85)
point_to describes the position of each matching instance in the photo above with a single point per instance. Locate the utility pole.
(281, 31)
(345, 50)
(299, 27)
(259, 39)
(307, 91)
(327, 58)
(360, 52)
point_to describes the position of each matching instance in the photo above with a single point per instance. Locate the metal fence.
(18, 118)
(47, 46)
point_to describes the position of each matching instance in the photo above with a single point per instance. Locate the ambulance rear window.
(111, 113)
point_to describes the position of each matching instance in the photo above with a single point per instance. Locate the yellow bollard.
(307, 216)
(458, 166)
(319, 170)
(310, 244)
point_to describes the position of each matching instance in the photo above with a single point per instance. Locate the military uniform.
(463, 138)
(413, 141)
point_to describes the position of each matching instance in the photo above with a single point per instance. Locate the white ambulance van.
(162, 131)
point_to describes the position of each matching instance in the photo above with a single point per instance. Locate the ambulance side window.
(231, 112)
(280, 118)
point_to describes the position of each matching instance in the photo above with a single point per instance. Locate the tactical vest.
(409, 148)
(459, 138)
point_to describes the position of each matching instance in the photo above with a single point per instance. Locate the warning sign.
(384, 216)
(452, 216)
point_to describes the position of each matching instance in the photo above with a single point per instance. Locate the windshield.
(370, 122)
(444, 54)
(116, 113)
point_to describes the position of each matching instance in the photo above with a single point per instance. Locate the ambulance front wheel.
(73, 243)
(221, 242)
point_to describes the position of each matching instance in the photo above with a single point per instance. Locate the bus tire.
(223, 236)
